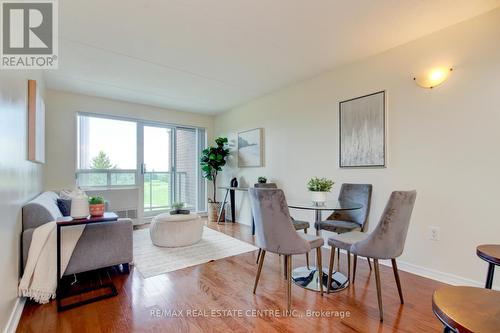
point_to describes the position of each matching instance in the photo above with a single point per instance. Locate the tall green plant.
(212, 160)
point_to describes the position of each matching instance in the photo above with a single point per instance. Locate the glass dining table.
(310, 278)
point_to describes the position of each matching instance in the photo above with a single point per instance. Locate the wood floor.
(147, 305)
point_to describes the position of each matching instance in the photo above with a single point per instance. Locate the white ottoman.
(176, 230)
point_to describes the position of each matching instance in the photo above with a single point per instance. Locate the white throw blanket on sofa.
(39, 280)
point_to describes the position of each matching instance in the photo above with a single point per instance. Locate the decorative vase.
(234, 182)
(318, 198)
(79, 205)
(213, 212)
(96, 209)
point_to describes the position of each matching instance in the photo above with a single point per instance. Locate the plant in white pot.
(211, 161)
(319, 187)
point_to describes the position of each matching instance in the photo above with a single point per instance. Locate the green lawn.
(158, 194)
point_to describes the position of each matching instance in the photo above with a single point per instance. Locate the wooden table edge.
(485, 256)
(445, 319)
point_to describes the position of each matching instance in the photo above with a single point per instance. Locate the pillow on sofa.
(66, 194)
(64, 206)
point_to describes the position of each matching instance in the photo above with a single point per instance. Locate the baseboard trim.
(432, 273)
(437, 275)
(15, 316)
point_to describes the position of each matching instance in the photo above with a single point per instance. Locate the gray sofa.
(101, 244)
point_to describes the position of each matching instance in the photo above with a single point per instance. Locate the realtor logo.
(29, 34)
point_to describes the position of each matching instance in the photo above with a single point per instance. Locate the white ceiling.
(208, 56)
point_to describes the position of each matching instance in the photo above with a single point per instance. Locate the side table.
(467, 309)
(66, 222)
(491, 254)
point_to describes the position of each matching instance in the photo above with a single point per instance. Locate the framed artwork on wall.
(362, 131)
(36, 124)
(250, 148)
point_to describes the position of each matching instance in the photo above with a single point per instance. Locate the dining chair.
(385, 242)
(275, 233)
(297, 224)
(349, 220)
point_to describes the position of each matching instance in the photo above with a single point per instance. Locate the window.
(107, 152)
(160, 159)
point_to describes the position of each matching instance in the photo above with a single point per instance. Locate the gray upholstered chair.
(275, 233)
(349, 220)
(297, 224)
(385, 242)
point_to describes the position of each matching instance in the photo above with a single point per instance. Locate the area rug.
(152, 260)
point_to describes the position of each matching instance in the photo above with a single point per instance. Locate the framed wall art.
(362, 131)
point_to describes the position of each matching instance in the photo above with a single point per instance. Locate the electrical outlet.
(434, 233)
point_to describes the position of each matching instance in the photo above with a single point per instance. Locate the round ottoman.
(176, 230)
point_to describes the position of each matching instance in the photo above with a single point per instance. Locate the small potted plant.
(262, 180)
(177, 209)
(96, 206)
(319, 187)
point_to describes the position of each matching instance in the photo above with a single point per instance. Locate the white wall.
(20, 180)
(441, 142)
(61, 108)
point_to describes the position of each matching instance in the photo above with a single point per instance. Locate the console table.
(66, 222)
(229, 191)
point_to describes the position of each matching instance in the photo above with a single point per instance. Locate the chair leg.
(398, 282)
(349, 266)
(259, 269)
(307, 254)
(379, 290)
(330, 269)
(319, 263)
(369, 263)
(354, 268)
(258, 256)
(289, 283)
(285, 267)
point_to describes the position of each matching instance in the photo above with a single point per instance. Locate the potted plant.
(319, 187)
(177, 209)
(212, 160)
(96, 206)
(262, 180)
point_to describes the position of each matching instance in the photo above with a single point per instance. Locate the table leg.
(58, 254)
(317, 219)
(253, 226)
(232, 202)
(489, 278)
(223, 203)
(309, 277)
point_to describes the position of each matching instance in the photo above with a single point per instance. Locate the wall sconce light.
(433, 77)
